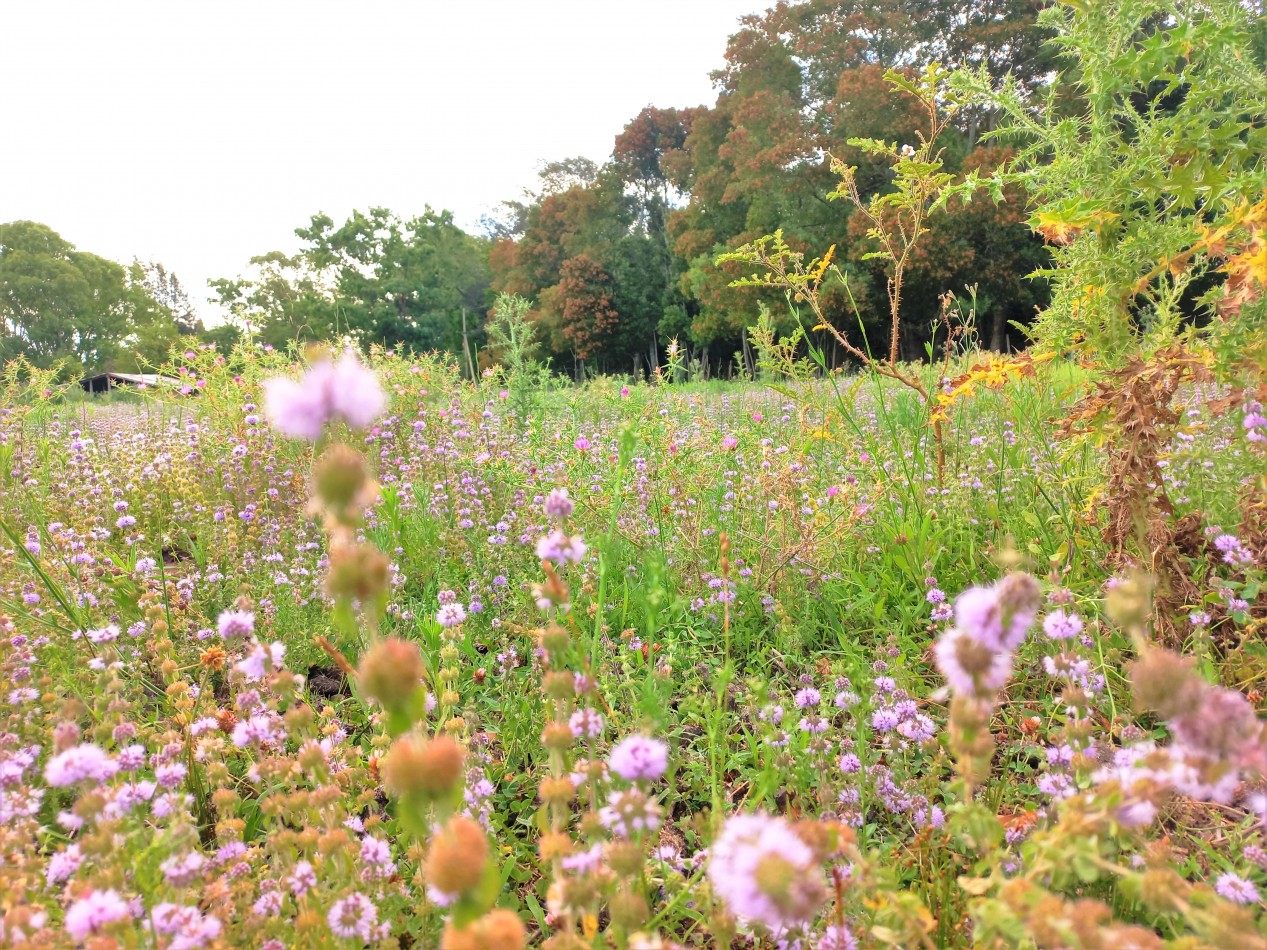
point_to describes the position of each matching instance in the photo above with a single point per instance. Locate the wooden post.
(466, 347)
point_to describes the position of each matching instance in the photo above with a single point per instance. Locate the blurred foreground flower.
(766, 874)
(346, 389)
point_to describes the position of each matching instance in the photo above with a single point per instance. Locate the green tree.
(57, 302)
(595, 271)
(281, 302)
(376, 278)
(799, 82)
(166, 288)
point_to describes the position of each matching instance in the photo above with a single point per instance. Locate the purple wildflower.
(1059, 625)
(236, 623)
(1236, 889)
(765, 874)
(808, 696)
(79, 763)
(561, 548)
(353, 916)
(639, 758)
(188, 926)
(345, 389)
(450, 615)
(90, 914)
(558, 504)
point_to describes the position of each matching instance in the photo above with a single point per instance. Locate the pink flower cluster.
(765, 874)
(639, 759)
(345, 389)
(975, 655)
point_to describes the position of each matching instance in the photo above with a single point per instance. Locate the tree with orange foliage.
(584, 301)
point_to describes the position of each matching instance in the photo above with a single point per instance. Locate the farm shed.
(104, 382)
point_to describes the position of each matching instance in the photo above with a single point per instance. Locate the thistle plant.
(897, 220)
(1147, 182)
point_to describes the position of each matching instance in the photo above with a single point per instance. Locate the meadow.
(356, 654)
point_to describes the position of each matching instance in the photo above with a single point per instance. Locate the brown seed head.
(456, 859)
(496, 930)
(391, 672)
(427, 767)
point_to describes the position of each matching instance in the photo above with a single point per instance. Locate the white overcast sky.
(202, 133)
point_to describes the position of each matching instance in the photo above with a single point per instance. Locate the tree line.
(619, 259)
(60, 303)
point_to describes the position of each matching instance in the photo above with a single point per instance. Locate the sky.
(199, 134)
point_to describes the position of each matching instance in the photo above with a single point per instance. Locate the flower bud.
(1162, 891)
(223, 799)
(1128, 603)
(628, 909)
(456, 859)
(299, 719)
(1019, 597)
(591, 825)
(553, 845)
(557, 735)
(496, 930)
(557, 791)
(360, 571)
(341, 478)
(1166, 683)
(417, 766)
(624, 857)
(332, 842)
(390, 673)
(554, 639)
(311, 757)
(559, 684)
(565, 941)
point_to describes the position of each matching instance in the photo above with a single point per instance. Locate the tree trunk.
(998, 330)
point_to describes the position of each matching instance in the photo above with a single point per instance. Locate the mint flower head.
(1236, 889)
(236, 623)
(999, 616)
(345, 390)
(557, 504)
(639, 758)
(767, 876)
(99, 909)
(80, 763)
(975, 655)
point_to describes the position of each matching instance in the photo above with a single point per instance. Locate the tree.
(589, 318)
(281, 302)
(1006, 252)
(643, 157)
(799, 82)
(509, 219)
(579, 244)
(166, 288)
(57, 302)
(376, 278)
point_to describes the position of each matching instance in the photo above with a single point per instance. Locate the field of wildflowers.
(343, 654)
